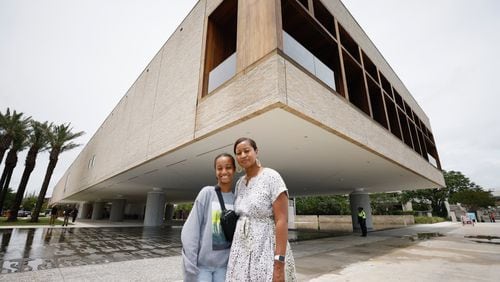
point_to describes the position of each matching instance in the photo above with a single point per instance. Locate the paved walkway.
(461, 253)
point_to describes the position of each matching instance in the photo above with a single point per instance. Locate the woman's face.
(224, 170)
(245, 154)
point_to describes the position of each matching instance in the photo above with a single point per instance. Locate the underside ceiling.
(311, 160)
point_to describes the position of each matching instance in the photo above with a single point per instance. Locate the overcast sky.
(72, 61)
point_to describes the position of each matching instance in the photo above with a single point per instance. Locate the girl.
(205, 250)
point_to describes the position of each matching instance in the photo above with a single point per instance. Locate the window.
(386, 85)
(393, 117)
(355, 84)
(326, 19)
(403, 121)
(220, 64)
(306, 59)
(377, 102)
(349, 44)
(310, 45)
(370, 67)
(91, 162)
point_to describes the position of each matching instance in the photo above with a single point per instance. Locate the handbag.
(228, 218)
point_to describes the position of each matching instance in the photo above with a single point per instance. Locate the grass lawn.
(26, 221)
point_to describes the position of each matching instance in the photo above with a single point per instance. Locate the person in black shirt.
(53, 215)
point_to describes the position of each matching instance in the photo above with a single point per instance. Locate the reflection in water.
(29, 242)
(5, 239)
(32, 249)
(48, 235)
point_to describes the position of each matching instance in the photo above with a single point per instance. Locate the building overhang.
(312, 159)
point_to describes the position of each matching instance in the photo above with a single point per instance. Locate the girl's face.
(245, 154)
(224, 170)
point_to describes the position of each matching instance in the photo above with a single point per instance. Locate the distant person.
(73, 214)
(362, 221)
(205, 250)
(66, 214)
(53, 215)
(492, 217)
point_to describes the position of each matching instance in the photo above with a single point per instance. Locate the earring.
(238, 169)
(258, 162)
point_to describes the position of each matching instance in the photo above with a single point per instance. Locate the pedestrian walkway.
(82, 223)
(438, 252)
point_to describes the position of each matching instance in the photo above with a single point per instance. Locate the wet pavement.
(30, 249)
(444, 251)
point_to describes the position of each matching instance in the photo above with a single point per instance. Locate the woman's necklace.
(247, 177)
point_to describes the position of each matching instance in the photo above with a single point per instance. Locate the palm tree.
(10, 124)
(37, 141)
(18, 144)
(60, 141)
(4, 142)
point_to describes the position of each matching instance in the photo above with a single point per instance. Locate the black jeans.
(362, 224)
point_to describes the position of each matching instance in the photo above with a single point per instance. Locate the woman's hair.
(225, 155)
(243, 139)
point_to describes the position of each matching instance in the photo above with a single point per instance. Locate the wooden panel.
(257, 30)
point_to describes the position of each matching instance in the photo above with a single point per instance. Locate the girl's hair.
(225, 155)
(243, 139)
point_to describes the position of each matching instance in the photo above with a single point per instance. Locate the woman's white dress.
(252, 251)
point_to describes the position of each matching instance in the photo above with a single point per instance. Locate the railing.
(222, 73)
(306, 59)
(432, 160)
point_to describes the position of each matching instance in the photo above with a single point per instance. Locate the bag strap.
(219, 195)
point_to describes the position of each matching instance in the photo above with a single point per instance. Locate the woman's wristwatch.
(279, 258)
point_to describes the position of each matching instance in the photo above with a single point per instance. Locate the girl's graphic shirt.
(219, 241)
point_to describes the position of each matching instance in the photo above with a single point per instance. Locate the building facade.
(298, 76)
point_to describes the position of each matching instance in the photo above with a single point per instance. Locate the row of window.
(315, 29)
(319, 44)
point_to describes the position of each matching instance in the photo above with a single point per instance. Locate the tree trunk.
(54, 154)
(4, 145)
(28, 168)
(5, 189)
(10, 164)
(2, 180)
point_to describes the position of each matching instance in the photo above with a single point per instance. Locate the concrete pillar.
(169, 211)
(291, 214)
(83, 210)
(117, 209)
(359, 198)
(135, 210)
(97, 210)
(155, 206)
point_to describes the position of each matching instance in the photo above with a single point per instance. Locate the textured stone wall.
(344, 222)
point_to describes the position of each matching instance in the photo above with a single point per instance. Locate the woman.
(205, 250)
(260, 250)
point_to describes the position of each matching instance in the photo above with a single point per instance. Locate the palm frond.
(38, 135)
(60, 135)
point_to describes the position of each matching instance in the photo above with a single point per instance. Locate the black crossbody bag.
(228, 218)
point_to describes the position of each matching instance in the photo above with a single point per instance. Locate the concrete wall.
(256, 89)
(344, 222)
(156, 114)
